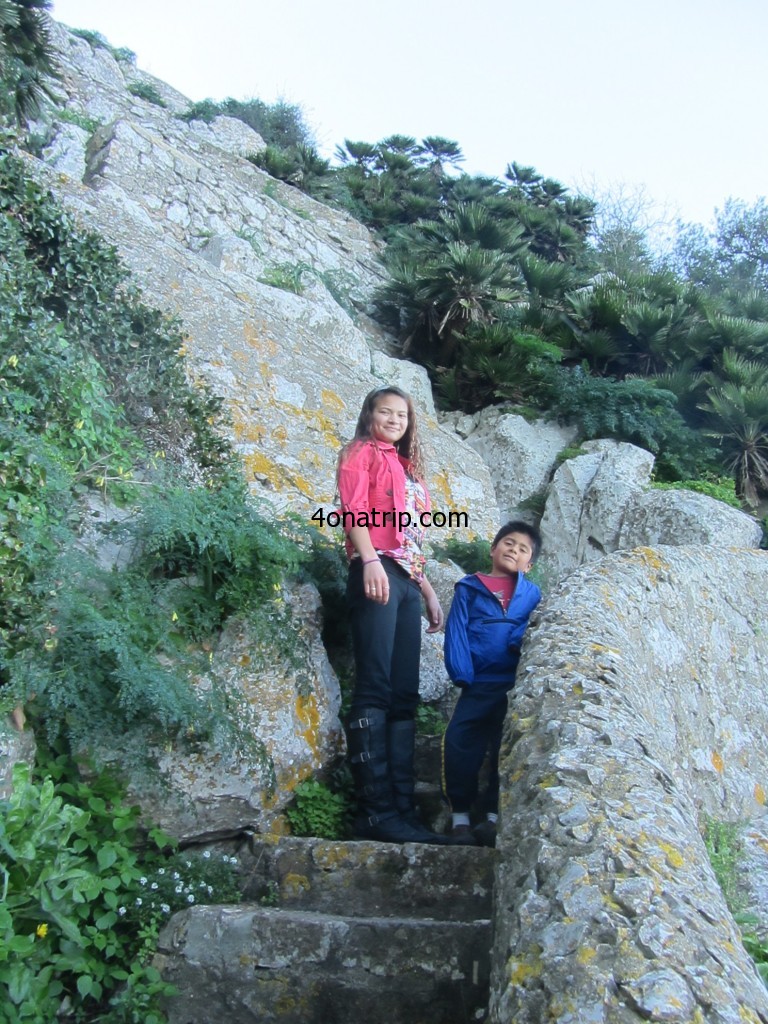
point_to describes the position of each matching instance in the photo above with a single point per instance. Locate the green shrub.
(722, 840)
(147, 91)
(88, 124)
(722, 490)
(568, 453)
(724, 848)
(99, 42)
(105, 655)
(471, 556)
(85, 895)
(632, 410)
(99, 661)
(318, 811)
(231, 556)
(288, 276)
(280, 123)
(497, 363)
(65, 298)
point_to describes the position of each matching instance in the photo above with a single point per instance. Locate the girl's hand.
(376, 582)
(434, 610)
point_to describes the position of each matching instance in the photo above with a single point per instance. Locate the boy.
(483, 634)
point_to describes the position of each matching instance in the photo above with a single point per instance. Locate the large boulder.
(602, 501)
(686, 517)
(639, 710)
(285, 699)
(520, 456)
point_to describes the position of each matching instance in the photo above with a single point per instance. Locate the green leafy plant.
(88, 124)
(568, 453)
(280, 123)
(85, 893)
(722, 840)
(430, 721)
(100, 42)
(318, 811)
(755, 946)
(230, 555)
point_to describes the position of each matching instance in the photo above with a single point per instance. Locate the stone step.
(363, 879)
(249, 964)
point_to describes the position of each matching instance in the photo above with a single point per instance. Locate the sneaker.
(461, 835)
(485, 833)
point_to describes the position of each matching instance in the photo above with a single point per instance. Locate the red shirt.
(502, 587)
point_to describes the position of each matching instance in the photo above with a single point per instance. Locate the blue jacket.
(482, 644)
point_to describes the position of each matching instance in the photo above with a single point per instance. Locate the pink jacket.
(372, 477)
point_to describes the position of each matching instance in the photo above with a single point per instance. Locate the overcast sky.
(667, 94)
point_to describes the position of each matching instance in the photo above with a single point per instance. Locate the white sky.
(667, 94)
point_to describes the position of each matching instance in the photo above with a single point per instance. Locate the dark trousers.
(386, 639)
(475, 729)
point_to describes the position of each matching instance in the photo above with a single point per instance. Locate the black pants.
(386, 639)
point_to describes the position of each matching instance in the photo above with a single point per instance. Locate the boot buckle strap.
(361, 758)
(359, 723)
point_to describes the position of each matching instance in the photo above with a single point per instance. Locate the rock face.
(271, 286)
(641, 694)
(601, 501)
(640, 706)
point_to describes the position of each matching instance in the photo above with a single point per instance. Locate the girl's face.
(389, 418)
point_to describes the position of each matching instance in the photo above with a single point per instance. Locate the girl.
(383, 494)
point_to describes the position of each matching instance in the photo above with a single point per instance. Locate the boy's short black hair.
(518, 526)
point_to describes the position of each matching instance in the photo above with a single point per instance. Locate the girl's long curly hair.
(409, 445)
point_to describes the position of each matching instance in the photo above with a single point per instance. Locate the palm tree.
(27, 61)
(448, 273)
(439, 152)
(434, 298)
(470, 223)
(738, 419)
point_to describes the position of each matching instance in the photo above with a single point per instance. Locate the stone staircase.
(338, 933)
(342, 932)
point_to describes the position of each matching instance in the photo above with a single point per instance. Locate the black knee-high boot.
(401, 743)
(377, 816)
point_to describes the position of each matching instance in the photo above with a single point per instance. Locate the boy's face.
(513, 553)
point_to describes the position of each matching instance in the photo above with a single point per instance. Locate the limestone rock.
(686, 517)
(640, 705)
(601, 501)
(271, 286)
(286, 700)
(520, 455)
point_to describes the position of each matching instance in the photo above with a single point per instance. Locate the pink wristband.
(371, 560)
